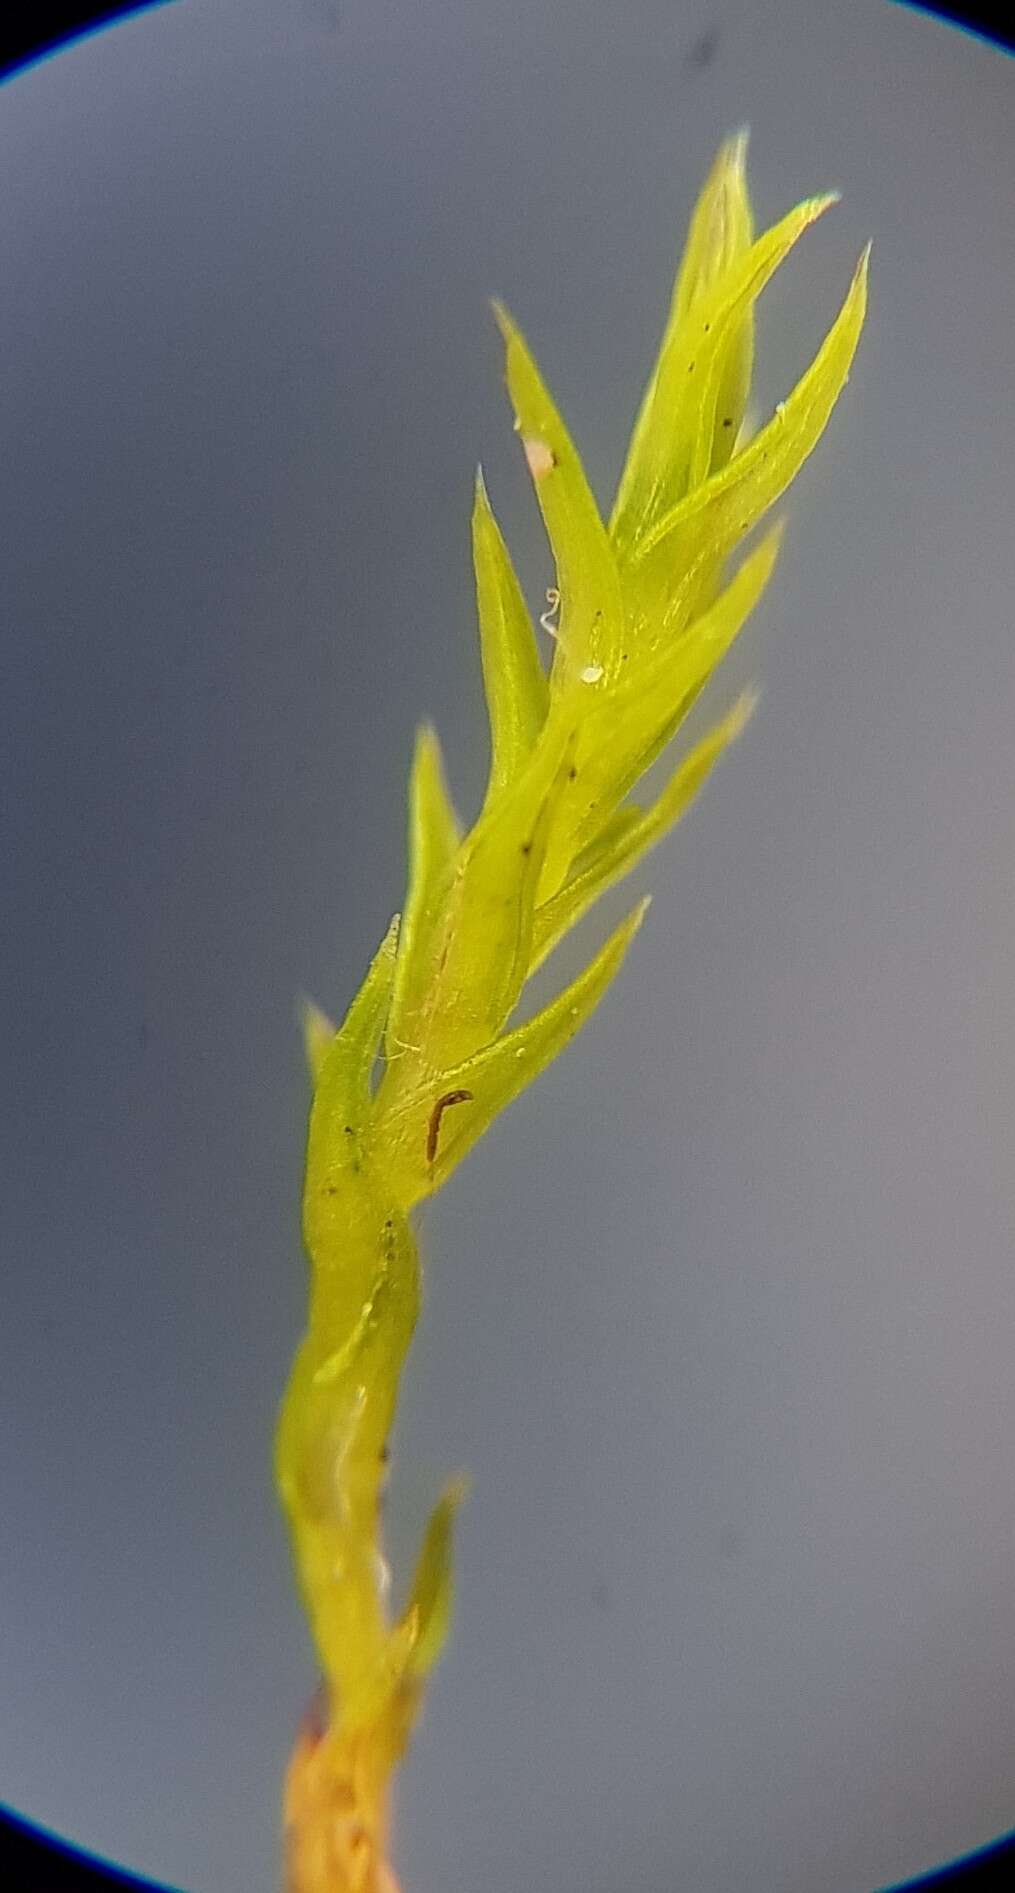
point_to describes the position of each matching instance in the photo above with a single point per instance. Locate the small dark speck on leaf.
(702, 50)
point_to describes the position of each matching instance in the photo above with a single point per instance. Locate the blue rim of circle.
(32, 1856)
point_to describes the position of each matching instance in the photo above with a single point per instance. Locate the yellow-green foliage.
(428, 1054)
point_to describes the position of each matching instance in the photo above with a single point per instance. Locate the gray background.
(722, 1317)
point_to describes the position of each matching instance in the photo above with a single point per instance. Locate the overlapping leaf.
(624, 842)
(516, 689)
(706, 524)
(721, 229)
(487, 1082)
(433, 842)
(677, 447)
(591, 612)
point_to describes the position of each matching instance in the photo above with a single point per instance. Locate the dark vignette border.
(33, 1860)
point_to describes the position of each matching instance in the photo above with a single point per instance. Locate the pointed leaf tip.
(430, 1602)
(742, 711)
(317, 1031)
(590, 625)
(433, 838)
(513, 675)
(501, 316)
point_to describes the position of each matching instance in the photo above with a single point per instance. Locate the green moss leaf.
(627, 839)
(517, 693)
(433, 842)
(590, 629)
